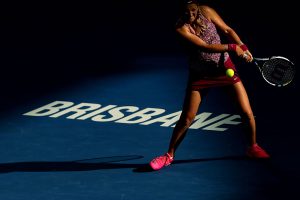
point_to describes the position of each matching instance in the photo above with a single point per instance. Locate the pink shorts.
(216, 78)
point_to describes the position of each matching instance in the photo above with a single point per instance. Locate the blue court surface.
(79, 122)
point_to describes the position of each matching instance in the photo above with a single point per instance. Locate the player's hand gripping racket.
(277, 70)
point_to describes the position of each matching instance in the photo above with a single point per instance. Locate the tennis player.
(199, 27)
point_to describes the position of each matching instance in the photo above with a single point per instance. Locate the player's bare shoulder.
(207, 11)
(206, 8)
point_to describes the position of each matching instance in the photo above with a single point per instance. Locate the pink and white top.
(210, 35)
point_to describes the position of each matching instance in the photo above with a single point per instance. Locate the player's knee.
(246, 116)
(187, 120)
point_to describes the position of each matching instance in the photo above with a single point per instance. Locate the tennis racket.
(277, 70)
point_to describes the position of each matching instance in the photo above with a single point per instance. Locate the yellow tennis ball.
(229, 73)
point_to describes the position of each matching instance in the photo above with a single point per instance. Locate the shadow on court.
(96, 164)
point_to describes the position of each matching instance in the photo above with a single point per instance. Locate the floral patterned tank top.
(201, 59)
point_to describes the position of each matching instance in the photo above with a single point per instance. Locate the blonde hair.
(198, 25)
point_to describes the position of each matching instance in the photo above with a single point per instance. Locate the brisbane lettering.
(131, 115)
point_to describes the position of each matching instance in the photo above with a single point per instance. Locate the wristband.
(244, 47)
(231, 47)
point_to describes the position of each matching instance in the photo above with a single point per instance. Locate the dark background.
(48, 45)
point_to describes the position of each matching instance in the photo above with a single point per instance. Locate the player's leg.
(190, 107)
(189, 110)
(240, 95)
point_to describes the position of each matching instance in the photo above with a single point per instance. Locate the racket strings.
(278, 71)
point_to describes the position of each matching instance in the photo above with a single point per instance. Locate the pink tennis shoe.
(256, 151)
(161, 161)
(253, 151)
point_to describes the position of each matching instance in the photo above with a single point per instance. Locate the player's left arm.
(229, 32)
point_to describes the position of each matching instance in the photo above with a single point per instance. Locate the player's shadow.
(78, 165)
(96, 164)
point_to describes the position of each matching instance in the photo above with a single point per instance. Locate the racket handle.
(245, 55)
(261, 59)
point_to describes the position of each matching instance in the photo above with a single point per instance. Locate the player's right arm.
(194, 39)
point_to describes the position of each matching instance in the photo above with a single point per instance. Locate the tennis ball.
(229, 73)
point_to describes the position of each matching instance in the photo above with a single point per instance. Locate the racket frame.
(256, 60)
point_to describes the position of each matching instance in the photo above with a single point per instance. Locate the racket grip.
(245, 55)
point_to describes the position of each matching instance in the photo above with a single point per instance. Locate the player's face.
(191, 12)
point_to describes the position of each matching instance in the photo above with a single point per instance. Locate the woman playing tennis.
(199, 27)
